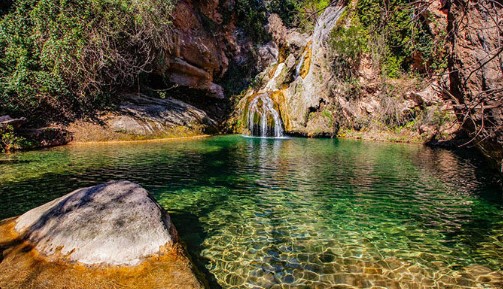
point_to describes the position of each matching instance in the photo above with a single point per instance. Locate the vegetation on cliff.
(298, 13)
(394, 33)
(59, 59)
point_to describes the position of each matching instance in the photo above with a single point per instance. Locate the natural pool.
(301, 213)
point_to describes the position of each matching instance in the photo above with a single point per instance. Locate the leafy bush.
(252, 17)
(298, 13)
(9, 140)
(348, 43)
(59, 58)
(393, 32)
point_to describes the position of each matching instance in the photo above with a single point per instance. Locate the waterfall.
(263, 119)
(289, 90)
(301, 62)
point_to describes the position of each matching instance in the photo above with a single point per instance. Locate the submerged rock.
(117, 223)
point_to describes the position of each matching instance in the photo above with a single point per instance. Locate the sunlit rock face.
(203, 41)
(295, 84)
(116, 223)
(143, 117)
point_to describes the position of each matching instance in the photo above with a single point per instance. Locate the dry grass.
(404, 136)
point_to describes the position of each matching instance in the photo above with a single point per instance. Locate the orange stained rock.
(278, 97)
(306, 66)
(21, 266)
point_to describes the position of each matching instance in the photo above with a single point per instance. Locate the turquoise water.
(300, 213)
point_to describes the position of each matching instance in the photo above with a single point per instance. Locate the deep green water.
(305, 212)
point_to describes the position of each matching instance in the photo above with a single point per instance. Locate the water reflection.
(298, 212)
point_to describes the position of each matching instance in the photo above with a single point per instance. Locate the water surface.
(297, 213)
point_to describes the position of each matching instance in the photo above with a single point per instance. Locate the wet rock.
(297, 83)
(116, 223)
(306, 93)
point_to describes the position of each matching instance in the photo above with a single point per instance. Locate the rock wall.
(311, 87)
(203, 40)
(313, 100)
(476, 72)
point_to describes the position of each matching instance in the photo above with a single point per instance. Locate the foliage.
(298, 13)
(252, 17)
(348, 43)
(61, 58)
(9, 140)
(393, 33)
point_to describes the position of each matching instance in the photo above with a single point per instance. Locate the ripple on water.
(298, 213)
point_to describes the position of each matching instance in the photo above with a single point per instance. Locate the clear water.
(300, 213)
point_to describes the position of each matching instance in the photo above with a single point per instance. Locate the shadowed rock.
(6, 121)
(143, 117)
(117, 223)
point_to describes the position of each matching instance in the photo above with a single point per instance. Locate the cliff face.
(297, 78)
(203, 44)
(476, 72)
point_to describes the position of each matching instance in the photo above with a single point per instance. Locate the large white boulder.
(116, 223)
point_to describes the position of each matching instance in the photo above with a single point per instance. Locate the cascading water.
(301, 63)
(292, 90)
(263, 119)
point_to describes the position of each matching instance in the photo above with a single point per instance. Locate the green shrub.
(9, 140)
(392, 66)
(59, 58)
(398, 35)
(298, 13)
(349, 42)
(252, 17)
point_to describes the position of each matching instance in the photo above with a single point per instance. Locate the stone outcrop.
(314, 99)
(311, 88)
(143, 117)
(476, 74)
(117, 223)
(105, 236)
(202, 45)
(7, 121)
(298, 81)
